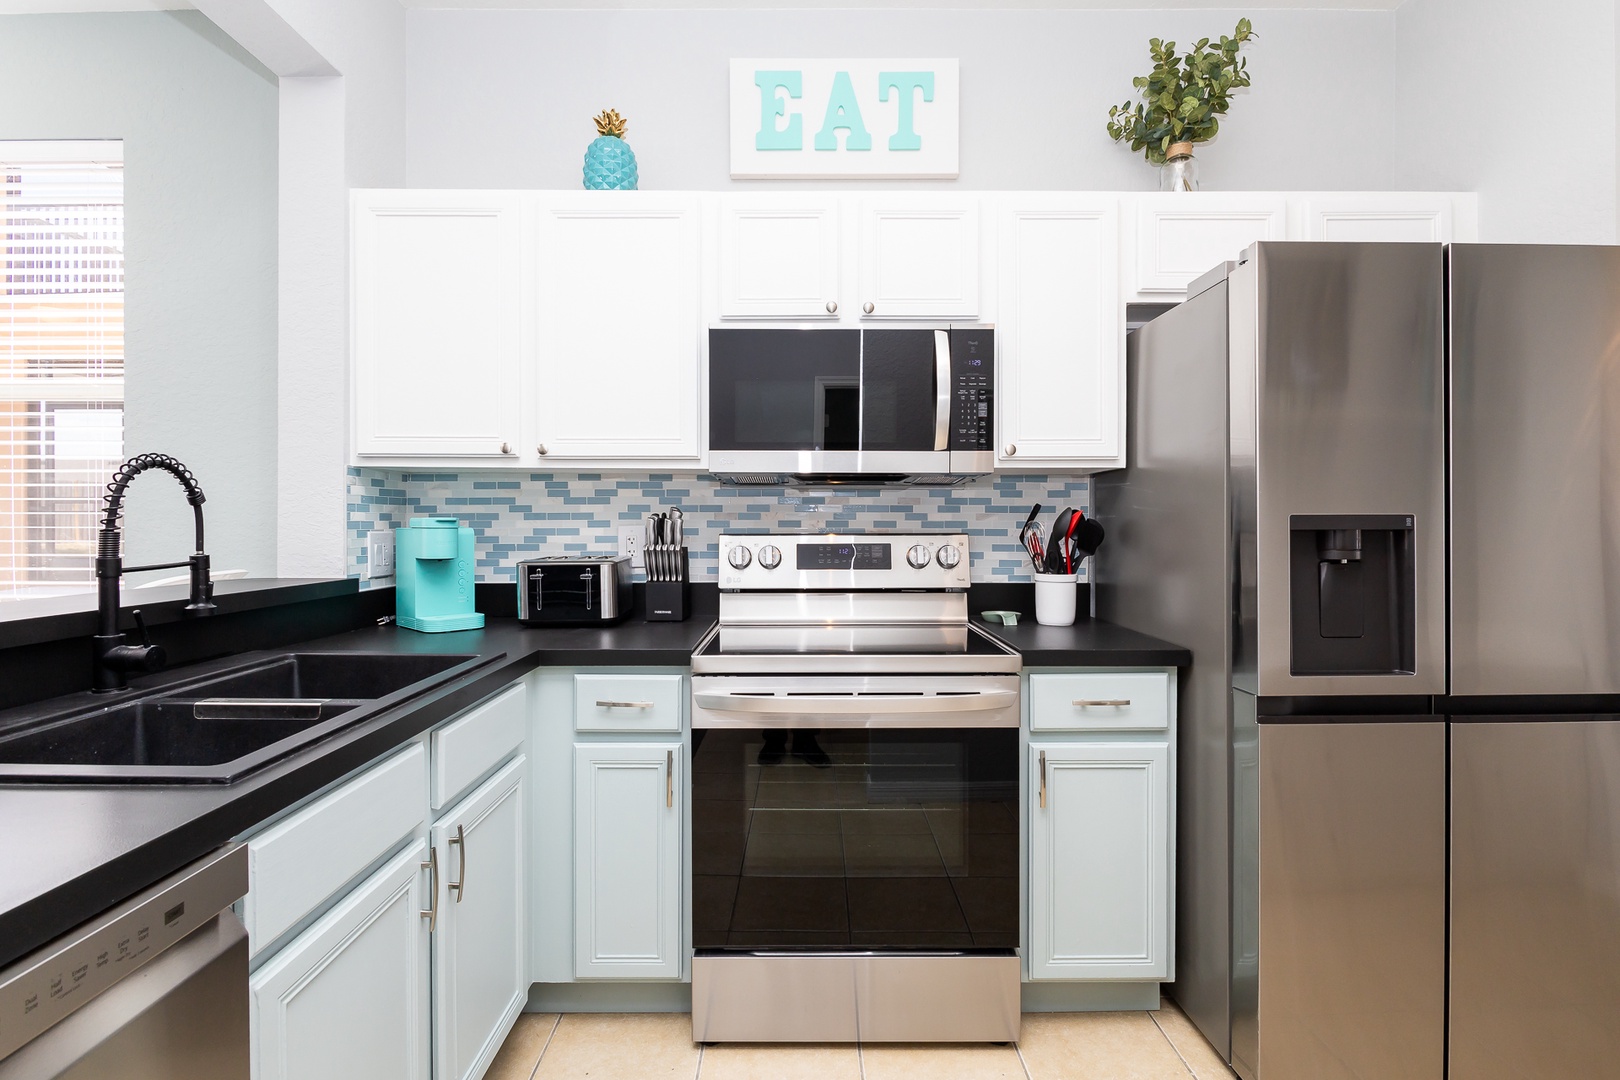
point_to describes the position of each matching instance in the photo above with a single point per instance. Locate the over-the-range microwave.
(830, 405)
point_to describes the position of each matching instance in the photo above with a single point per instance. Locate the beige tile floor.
(1161, 1045)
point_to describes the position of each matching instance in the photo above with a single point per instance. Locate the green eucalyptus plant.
(1182, 95)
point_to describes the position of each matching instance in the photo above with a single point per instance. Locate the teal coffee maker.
(433, 584)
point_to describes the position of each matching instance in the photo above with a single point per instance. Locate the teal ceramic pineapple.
(610, 164)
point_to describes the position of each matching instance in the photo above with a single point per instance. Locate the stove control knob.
(917, 556)
(948, 556)
(739, 557)
(770, 557)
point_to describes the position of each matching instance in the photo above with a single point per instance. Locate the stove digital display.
(844, 557)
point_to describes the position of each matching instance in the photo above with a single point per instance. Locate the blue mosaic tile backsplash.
(518, 516)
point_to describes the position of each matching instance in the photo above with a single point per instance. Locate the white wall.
(198, 120)
(504, 98)
(1517, 102)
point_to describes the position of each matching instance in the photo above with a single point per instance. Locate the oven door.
(870, 815)
(829, 400)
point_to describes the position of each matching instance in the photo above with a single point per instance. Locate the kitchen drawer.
(470, 746)
(627, 702)
(298, 864)
(1113, 701)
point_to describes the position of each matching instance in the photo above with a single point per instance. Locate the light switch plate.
(631, 540)
(380, 553)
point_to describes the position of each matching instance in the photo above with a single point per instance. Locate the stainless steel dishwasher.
(154, 989)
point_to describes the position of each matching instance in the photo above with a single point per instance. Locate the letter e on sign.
(844, 119)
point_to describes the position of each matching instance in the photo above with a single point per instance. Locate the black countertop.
(1088, 643)
(70, 852)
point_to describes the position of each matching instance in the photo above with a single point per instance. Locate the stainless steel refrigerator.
(1294, 505)
(1535, 661)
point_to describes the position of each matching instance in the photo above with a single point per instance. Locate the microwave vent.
(751, 479)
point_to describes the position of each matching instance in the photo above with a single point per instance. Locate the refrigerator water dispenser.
(1353, 595)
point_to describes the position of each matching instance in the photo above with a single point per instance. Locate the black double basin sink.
(218, 728)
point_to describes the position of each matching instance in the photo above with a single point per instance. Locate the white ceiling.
(28, 7)
(54, 7)
(625, 5)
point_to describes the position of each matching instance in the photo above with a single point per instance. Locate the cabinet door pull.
(506, 448)
(1087, 702)
(459, 842)
(669, 779)
(1012, 449)
(432, 867)
(832, 307)
(624, 704)
(1043, 779)
(869, 307)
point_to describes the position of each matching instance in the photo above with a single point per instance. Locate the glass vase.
(1180, 169)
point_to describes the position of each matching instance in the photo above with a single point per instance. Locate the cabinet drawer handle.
(459, 842)
(1087, 702)
(625, 705)
(1043, 779)
(432, 867)
(669, 779)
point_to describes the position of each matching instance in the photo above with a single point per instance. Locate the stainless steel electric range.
(855, 798)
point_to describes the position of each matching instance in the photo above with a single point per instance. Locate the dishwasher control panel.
(52, 983)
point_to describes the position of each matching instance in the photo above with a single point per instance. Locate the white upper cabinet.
(618, 327)
(436, 323)
(1381, 216)
(779, 257)
(919, 257)
(1181, 236)
(1061, 333)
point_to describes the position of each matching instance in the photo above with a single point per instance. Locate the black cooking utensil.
(1055, 559)
(1089, 536)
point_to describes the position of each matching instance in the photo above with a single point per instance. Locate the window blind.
(61, 357)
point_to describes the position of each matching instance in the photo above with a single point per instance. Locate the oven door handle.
(942, 390)
(863, 704)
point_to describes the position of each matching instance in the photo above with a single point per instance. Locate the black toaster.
(574, 590)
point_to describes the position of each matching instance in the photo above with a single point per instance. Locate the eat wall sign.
(849, 119)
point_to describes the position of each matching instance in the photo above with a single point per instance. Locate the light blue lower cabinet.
(480, 951)
(1100, 860)
(348, 999)
(628, 812)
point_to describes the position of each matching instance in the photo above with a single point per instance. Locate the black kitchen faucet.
(113, 659)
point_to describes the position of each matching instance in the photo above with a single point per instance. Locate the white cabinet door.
(348, 998)
(1099, 860)
(1183, 235)
(627, 860)
(480, 953)
(437, 320)
(1060, 401)
(619, 326)
(1380, 217)
(919, 257)
(779, 257)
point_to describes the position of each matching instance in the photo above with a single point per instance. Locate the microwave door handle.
(942, 390)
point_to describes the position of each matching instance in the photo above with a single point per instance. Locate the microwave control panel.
(973, 372)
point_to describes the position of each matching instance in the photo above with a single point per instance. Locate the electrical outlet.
(631, 540)
(380, 553)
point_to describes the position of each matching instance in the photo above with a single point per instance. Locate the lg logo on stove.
(849, 119)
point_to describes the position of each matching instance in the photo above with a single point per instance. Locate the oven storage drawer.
(1100, 701)
(627, 703)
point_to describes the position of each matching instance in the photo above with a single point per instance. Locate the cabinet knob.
(1012, 448)
(832, 307)
(506, 448)
(541, 449)
(869, 307)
